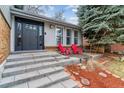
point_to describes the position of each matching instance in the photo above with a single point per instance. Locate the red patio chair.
(76, 49)
(63, 50)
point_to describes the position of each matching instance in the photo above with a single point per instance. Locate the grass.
(116, 68)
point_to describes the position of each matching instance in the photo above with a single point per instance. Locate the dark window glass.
(68, 37)
(40, 30)
(19, 33)
(75, 37)
(75, 40)
(19, 6)
(19, 26)
(75, 33)
(68, 41)
(68, 32)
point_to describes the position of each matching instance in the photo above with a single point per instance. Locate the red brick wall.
(117, 47)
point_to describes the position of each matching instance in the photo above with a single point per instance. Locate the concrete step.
(65, 82)
(38, 66)
(55, 78)
(27, 51)
(25, 57)
(33, 61)
(69, 83)
(29, 76)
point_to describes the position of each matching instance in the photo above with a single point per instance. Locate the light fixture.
(52, 26)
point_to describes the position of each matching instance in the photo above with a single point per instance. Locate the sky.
(69, 12)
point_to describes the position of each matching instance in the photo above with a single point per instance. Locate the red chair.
(63, 50)
(76, 49)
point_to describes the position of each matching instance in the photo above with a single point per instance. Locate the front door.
(28, 35)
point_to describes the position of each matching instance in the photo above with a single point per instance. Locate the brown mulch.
(96, 81)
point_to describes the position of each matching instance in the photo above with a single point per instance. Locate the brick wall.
(4, 38)
(117, 47)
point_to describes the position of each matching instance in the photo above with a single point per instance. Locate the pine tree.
(102, 24)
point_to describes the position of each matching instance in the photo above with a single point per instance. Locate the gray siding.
(6, 12)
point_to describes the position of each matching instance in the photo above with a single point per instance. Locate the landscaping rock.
(83, 67)
(115, 76)
(76, 73)
(85, 81)
(103, 74)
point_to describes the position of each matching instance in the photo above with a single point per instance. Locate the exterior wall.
(4, 42)
(50, 37)
(6, 12)
(4, 39)
(117, 48)
(10, 19)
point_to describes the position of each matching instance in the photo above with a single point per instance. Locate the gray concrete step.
(55, 78)
(38, 66)
(69, 83)
(63, 82)
(25, 57)
(33, 61)
(27, 51)
(37, 69)
(29, 76)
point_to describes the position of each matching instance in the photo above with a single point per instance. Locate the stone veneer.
(4, 39)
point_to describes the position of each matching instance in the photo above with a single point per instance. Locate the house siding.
(50, 39)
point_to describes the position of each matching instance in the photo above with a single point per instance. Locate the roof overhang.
(24, 14)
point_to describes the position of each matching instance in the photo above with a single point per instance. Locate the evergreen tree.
(102, 24)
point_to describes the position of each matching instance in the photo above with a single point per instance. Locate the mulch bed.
(96, 81)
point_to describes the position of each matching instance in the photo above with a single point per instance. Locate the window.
(19, 26)
(19, 6)
(75, 37)
(59, 36)
(68, 36)
(40, 30)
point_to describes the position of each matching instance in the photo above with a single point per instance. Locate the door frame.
(23, 20)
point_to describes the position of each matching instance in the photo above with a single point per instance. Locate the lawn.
(116, 68)
(113, 65)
